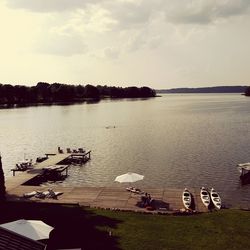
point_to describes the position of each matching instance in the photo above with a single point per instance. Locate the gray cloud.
(233, 8)
(204, 11)
(48, 5)
(130, 14)
(127, 14)
(133, 24)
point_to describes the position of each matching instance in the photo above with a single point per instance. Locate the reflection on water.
(175, 141)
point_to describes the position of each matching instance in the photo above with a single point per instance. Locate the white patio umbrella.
(33, 229)
(129, 177)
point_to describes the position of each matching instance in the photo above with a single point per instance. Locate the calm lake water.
(175, 140)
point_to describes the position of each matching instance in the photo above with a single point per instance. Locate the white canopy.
(129, 177)
(33, 229)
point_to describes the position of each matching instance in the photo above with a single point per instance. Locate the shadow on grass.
(74, 227)
(155, 204)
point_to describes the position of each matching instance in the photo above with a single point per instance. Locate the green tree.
(132, 92)
(116, 92)
(43, 93)
(147, 92)
(247, 91)
(8, 91)
(92, 92)
(21, 93)
(55, 91)
(65, 93)
(79, 91)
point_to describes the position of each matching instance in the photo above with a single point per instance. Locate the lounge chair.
(52, 194)
(60, 151)
(21, 166)
(41, 159)
(129, 189)
(134, 190)
(40, 195)
(30, 194)
(81, 150)
(30, 165)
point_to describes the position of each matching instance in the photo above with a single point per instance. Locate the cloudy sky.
(158, 43)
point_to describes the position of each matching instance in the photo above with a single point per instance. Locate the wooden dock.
(165, 200)
(54, 159)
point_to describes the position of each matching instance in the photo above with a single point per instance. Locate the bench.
(14, 170)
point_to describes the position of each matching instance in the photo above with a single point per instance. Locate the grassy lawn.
(228, 229)
(90, 229)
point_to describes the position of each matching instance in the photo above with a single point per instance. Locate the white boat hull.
(205, 198)
(215, 198)
(186, 199)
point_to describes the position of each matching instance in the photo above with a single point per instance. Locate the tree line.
(57, 92)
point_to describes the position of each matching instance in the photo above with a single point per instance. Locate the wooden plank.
(52, 160)
(109, 203)
(109, 197)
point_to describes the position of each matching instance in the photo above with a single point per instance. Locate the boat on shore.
(215, 198)
(205, 197)
(244, 169)
(186, 199)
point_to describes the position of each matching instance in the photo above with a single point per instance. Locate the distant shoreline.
(217, 89)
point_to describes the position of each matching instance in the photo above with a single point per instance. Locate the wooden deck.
(165, 200)
(22, 177)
